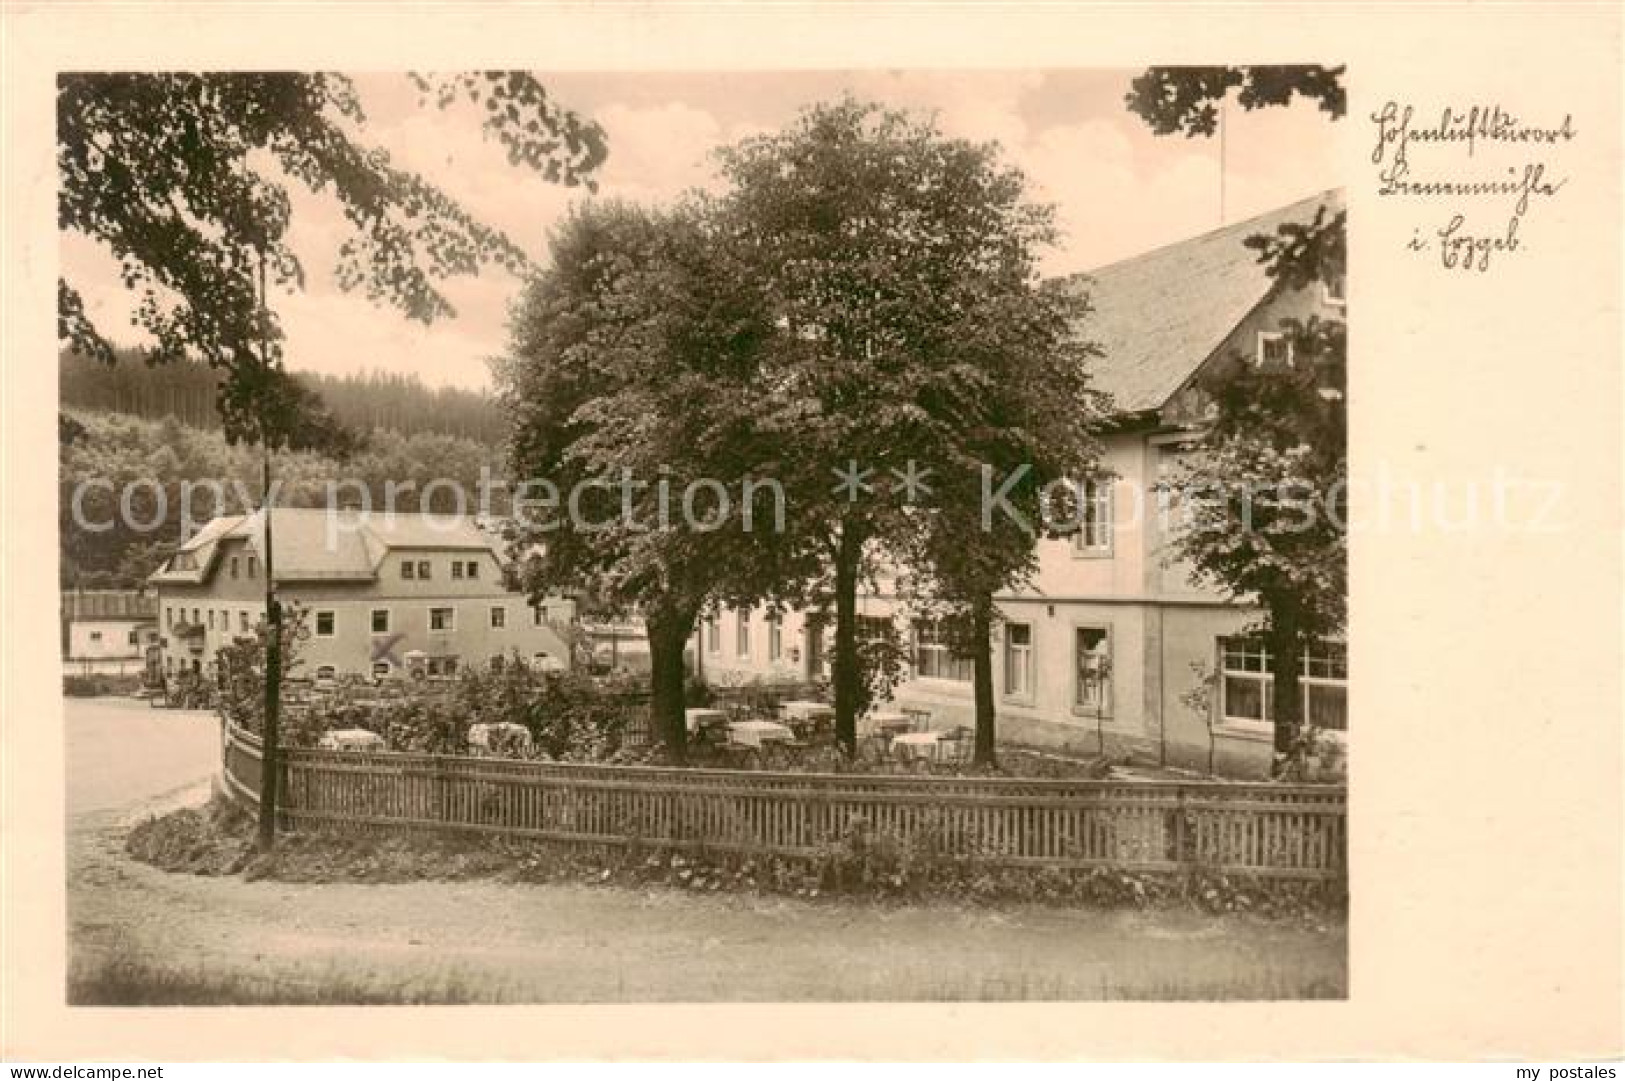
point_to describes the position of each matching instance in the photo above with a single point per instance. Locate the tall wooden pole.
(269, 764)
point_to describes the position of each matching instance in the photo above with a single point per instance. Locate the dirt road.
(488, 941)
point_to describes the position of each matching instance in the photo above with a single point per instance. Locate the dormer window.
(408, 569)
(1274, 350)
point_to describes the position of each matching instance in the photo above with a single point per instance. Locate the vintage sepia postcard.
(812, 532)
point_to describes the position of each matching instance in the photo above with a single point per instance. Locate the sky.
(1119, 189)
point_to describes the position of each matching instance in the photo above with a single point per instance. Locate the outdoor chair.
(955, 745)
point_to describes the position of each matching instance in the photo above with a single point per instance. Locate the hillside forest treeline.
(362, 403)
(122, 478)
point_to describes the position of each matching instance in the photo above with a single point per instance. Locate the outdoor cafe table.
(916, 744)
(889, 721)
(700, 715)
(807, 711)
(351, 739)
(756, 733)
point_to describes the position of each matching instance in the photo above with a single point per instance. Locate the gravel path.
(491, 941)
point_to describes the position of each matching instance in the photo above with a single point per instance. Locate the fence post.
(1179, 827)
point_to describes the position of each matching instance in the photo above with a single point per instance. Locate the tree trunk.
(982, 677)
(1285, 642)
(844, 669)
(668, 634)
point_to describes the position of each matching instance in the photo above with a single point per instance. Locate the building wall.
(229, 606)
(96, 639)
(1164, 626)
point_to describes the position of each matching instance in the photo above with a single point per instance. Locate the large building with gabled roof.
(383, 594)
(1107, 643)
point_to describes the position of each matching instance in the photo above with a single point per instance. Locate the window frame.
(1107, 707)
(775, 636)
(372, 620)
(1266, 337)
(1026, 669)
(456, 570)
(451, 623)
(425, 570)
(926, 639)
(1264, 676)
(499, 617)
(332, 623)
(1099, 494)
(742, 641)
(409, 570)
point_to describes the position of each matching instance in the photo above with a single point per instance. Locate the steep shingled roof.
(318, 545)
(1159, 315)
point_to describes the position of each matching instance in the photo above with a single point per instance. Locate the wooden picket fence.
(1280, 830)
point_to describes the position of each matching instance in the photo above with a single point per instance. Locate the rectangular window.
(499, 617)
(473, 569)
(234, 566)
(197, 618)
(169, 617)
(253, 567)
(742, 632)
(1018, 660)
(713, 634)
(95, 636)
(380, 621)
(135, 638)
(442, 619)
(1274, 350)
(325, 622)
(456, 568)
(242, 622)
(408, 569)
(1247, 683)
(1094, 535)
(442, 666)
(423, 569)
(1092, 690)
(775, 636)
(933, 658)
(211, 619)
(538, 615)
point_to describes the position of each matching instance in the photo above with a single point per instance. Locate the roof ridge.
(1196, 238)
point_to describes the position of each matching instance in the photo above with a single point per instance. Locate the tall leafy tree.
(1265, 494)
(899, 264)
(1025, 444)
(183, 176)
(631, 375)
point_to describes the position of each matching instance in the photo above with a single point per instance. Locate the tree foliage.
(1186, 99)
(1265, 496)
(909, 334)
(636, 354)
(184, 177)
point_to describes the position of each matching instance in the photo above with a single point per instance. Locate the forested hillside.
(127, 474)
(186, 391)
